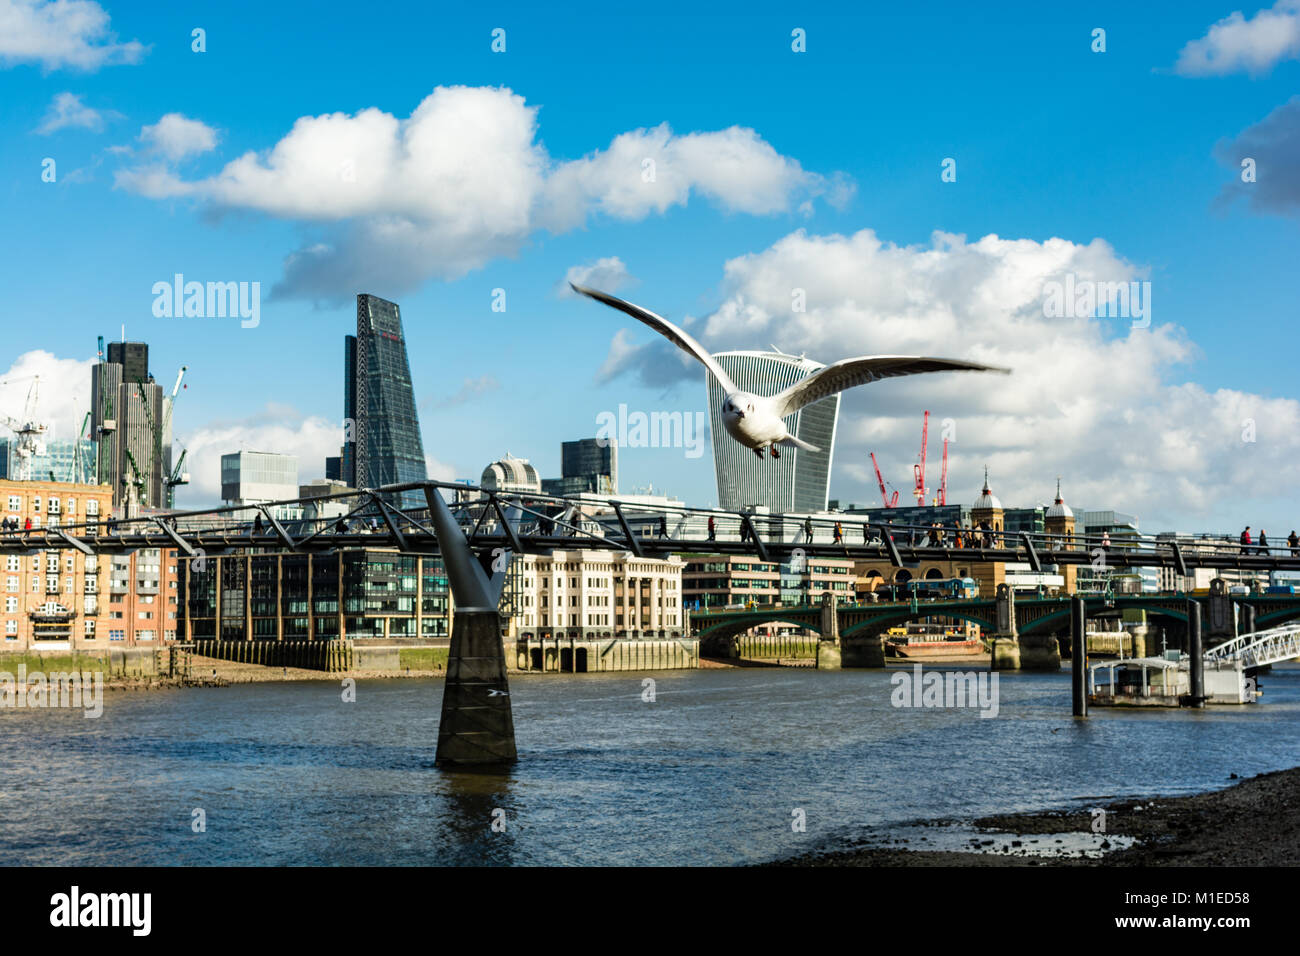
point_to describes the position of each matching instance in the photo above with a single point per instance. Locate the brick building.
(53, 599)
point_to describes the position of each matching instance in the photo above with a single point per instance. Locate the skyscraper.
(797, 481)
(588, 465)
(130, 422)
(383, 445)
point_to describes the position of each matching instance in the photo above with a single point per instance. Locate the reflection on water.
(710, 772)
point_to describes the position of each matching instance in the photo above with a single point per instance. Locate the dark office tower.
(593, 460)
(348, 466)
(386, 448)
(128, 412)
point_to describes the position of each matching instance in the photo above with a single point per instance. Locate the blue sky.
(1051, 140)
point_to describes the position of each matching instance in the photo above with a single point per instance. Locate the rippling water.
(708, 773)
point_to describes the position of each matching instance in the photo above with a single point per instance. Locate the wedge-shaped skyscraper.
(797, 481)
(384, 446)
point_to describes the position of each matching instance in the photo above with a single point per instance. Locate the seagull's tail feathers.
(791, 442)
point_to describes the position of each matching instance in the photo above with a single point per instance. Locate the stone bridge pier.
(830, 652)
(1011, 650)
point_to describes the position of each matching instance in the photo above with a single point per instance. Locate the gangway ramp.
(1261, 647)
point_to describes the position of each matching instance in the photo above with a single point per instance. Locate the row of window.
(592, 620)
(14, 563)
(68, 506)
(13, 584)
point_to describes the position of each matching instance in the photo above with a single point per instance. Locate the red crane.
(919, 469)
(884, 495)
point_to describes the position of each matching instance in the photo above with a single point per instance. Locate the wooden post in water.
(1079, 656)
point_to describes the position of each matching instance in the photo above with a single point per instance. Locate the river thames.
(712, 771)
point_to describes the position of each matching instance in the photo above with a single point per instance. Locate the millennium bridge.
(478, 530)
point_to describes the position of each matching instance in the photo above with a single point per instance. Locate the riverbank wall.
(111, 662)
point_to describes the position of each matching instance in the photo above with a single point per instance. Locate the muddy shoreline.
(1253, 822)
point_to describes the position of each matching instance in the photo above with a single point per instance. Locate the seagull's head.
(736, 406)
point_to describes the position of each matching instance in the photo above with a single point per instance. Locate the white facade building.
(595, 593)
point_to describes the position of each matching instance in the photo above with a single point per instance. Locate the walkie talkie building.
(797, 481)
(378, 398)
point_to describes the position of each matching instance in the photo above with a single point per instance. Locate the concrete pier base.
(1005, 654)
(477, 727)
(1033, 652)
(829, 656)
(864, 651)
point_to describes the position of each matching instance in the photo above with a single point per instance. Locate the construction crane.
(177, 476)
(884, 495)
(174, 477)
(918, 470)
(76, 449)
(31, 434)
(943, 478)
(134, 480)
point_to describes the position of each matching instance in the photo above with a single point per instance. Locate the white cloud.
(439, 471)
(464, 180)
(1091, 399)
(66, 110)
(61, 33)
(1239, 45)
(276, 429)
(62, 395)
(607, 274)
(176, 137)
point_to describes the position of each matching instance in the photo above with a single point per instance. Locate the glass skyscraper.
(797, 481)
(384, 445)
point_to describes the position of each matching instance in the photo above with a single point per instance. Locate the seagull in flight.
(757, 421)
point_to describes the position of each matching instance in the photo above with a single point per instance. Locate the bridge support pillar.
(1025, 652)
(1005, 650)
(1039, 652)
(1220, 619)
(830, 653)
(1005, 653)
(1013, 651)
(477, 727)
(861, 650)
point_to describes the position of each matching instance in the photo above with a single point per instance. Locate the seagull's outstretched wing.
(847, 373)
(666, 329)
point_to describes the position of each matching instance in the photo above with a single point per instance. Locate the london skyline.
(769, 188)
